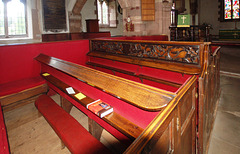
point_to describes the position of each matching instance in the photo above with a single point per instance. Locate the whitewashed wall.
(88, 12)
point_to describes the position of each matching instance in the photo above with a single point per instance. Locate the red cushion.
(73, 134)
(20, 85)
(4, 148)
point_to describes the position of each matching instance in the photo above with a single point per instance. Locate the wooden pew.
(167, 125)
(20, 92)
(72, 134)
(186, 58)
(122, 124)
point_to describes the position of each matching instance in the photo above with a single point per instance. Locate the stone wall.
(132, 10)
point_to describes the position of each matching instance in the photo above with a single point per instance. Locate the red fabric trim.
(20, 85)
(4, 147)
(73, 134)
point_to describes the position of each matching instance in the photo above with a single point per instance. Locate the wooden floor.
(29, 133)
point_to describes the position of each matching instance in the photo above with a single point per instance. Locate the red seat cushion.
(20, 85)
(73, 134)
(4, 148)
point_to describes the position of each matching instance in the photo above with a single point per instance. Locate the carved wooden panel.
(178, 53)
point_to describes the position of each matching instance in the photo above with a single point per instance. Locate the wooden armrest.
(122, 124)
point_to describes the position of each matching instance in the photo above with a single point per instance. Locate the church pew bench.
(20, 73)
(120, 123)
(20, 92)
(4, 147)
(74, 136)
(162, 114)
(182, 58)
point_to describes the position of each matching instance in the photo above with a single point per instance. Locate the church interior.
(166, 72)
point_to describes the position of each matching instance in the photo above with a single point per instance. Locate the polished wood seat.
(73, 134)
(17, 93)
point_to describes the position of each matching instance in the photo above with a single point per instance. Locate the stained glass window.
(235, 9)
(231, 9)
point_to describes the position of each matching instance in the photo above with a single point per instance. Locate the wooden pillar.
(65, 104)
(95, 129)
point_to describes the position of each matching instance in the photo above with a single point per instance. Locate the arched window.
(230, 10)
(13, 18)
(102, 12)
(107, 13)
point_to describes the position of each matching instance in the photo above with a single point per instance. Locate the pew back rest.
(150, 37)
(182, 57)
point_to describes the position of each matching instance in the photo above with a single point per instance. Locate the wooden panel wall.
(148, 10)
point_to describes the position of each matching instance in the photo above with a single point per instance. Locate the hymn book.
(100, 108)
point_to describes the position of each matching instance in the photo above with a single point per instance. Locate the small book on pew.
(100, 108)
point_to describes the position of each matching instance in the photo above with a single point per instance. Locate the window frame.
(222, 15)
(101, 24)
(110, 19)
(6, 33)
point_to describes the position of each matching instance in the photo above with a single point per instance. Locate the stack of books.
(100, 108)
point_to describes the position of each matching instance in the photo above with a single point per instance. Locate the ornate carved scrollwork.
(168, 52)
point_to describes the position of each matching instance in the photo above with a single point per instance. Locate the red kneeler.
(72, 133)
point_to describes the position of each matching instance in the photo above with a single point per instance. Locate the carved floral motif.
(178, 53)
